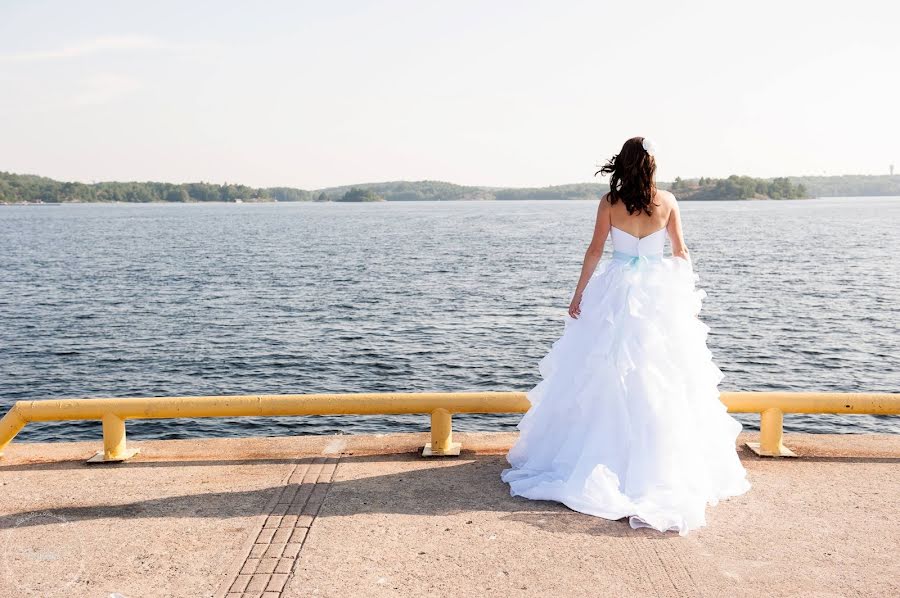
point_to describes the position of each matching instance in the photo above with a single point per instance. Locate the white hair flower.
(649, 146)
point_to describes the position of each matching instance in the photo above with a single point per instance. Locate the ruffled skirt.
(627, 421)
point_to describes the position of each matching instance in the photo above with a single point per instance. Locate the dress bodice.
(650, 245)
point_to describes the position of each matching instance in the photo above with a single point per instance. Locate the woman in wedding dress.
(626, 421)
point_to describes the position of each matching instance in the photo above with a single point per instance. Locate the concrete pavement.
(365, 516)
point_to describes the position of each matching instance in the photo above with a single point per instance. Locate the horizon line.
(600, 182)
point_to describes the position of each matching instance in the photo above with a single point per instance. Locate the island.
(357, 194)
(737, 187)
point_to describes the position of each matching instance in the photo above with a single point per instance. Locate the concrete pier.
(366, 516)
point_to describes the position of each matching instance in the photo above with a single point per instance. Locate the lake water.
(193, 299)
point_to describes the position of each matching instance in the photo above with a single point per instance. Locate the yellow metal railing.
(113, 412)
(772, 406)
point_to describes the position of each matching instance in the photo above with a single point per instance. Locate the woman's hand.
(575, 306)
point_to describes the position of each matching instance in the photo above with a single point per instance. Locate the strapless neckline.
(638, 238)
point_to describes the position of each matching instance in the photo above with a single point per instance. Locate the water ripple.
(144, 300)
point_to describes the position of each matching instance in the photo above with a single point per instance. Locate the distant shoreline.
(18, 189)
(275, 202)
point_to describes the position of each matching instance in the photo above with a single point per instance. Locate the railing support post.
(114, 448)
(10, 424)
(441, 444)
(771, 433)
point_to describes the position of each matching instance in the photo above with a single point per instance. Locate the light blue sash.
(635, 260)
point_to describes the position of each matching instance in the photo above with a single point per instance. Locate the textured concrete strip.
(681, 582)
(270, 558)
(250, 557)
(661, 562)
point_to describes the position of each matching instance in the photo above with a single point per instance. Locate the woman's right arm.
(676, 234)
(592, 255)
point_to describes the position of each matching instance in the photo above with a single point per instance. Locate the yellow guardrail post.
(771, 434)
(114, 448)
(10, 425)
(441, 444)
(773, 405)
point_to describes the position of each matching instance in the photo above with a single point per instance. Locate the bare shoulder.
(666, 198)
(667, 202)
(605, 205)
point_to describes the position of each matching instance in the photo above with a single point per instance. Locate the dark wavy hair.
(633, 177)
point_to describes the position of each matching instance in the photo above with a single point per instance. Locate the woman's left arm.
(592, 255)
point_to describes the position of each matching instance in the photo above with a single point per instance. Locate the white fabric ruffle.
(627, 421)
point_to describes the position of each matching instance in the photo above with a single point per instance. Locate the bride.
(627, 421)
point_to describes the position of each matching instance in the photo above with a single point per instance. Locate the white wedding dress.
(627, 421)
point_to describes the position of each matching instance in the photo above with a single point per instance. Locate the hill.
(850, 185)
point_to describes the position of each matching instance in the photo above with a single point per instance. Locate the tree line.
(29, 188)
(18, 188)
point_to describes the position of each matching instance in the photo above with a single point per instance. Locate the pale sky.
(505, 93)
